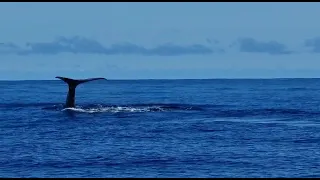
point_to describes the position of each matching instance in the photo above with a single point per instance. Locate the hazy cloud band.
(88, 46)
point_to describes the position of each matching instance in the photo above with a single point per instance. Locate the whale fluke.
(73, 83)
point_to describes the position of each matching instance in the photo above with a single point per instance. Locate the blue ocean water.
(161, 128)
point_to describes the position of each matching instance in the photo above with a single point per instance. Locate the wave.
(22, 105)
(114, 109)
(209, 110)
(96, 108)
(134, 108)
(262, 113)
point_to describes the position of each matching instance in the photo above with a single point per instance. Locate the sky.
(158, 40)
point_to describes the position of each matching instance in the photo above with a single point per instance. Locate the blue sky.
(159, 40)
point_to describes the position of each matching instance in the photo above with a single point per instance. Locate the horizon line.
(171, 79)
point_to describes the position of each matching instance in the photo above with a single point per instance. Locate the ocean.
(161, 128)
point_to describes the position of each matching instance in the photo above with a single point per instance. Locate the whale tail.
(73, 83)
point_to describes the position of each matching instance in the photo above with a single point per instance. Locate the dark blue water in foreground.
(161, 128)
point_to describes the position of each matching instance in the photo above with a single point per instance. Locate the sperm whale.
(73, 83)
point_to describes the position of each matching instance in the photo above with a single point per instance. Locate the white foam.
(114, 109)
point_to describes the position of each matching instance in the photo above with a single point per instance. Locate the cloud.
(171, 49)
(82, 45)
(212, 41)
(313, 43)
(8, 48)
(251, 45)
(63, 45)
(88, 46)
